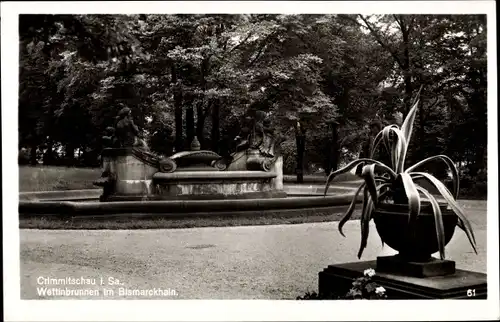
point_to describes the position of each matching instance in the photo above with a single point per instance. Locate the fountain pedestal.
(133, 174)
(216, 185)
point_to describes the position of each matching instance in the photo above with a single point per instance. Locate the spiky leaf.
(413, 198)
(407, 126)
(369, 176)
(449, 163)
(352, 165)
(438, 218)
(349, 212)
(365, 221)
(467, 228)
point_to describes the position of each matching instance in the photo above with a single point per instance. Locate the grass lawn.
(50, 178)
(159, 221)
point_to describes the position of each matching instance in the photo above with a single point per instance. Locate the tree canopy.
(187, 75)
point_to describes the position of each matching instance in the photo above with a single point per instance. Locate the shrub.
(363, 288)
(23, 157)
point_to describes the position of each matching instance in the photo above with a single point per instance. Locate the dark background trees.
(187, 75)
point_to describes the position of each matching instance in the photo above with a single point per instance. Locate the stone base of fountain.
(132, 174)
(217, 185)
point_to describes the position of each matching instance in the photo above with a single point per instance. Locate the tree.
(63, 55)
(440, 53)
(188, 75)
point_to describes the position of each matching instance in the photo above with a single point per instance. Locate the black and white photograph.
(304, 155)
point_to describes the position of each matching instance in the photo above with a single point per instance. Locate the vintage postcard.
(249, 160)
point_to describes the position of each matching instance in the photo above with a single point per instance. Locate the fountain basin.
(174, 208)
(83, 210)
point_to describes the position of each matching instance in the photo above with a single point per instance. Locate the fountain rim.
(72, 208)
(214, 175)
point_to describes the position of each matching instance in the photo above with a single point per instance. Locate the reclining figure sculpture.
(257, 147)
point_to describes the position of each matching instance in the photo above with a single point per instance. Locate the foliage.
(395, 183)
(183, 75)
(363, 288)
(440, 53)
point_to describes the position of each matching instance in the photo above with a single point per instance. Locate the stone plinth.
(216, 185)
(337, 280)
(277, 168)
(433, 267)
(132, 175)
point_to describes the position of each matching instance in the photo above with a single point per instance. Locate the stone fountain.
(137, 183)
(132, 172)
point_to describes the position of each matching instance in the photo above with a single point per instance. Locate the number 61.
(471, 292)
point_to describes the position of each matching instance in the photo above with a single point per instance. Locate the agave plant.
(385, 183)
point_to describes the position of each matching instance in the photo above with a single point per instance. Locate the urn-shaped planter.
(416, 243)
(404, 201)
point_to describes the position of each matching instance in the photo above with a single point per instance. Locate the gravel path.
(253, 262)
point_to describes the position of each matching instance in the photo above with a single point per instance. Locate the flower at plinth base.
(369, 272)
(380, 290)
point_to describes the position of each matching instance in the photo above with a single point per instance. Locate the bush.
(23, 157)
(474, 187)
(476, 190)
(363, 288)
(289, 152)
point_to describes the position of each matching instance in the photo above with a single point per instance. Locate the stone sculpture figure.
(256, 145)
(109, 139)
(243, 138)
(257, 134)
(126, 132)
(269, 142)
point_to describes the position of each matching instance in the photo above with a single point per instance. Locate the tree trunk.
(189, 125)
(332, 149)
(33, 158)
(178, 112)
(421, 136)
(48, 155)
(70, 155)
(215, 127)
(200, 124)
(481, 157)
(300, 141)
(408, 92)
(406, 70)
(344, 102)
(335, 151)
